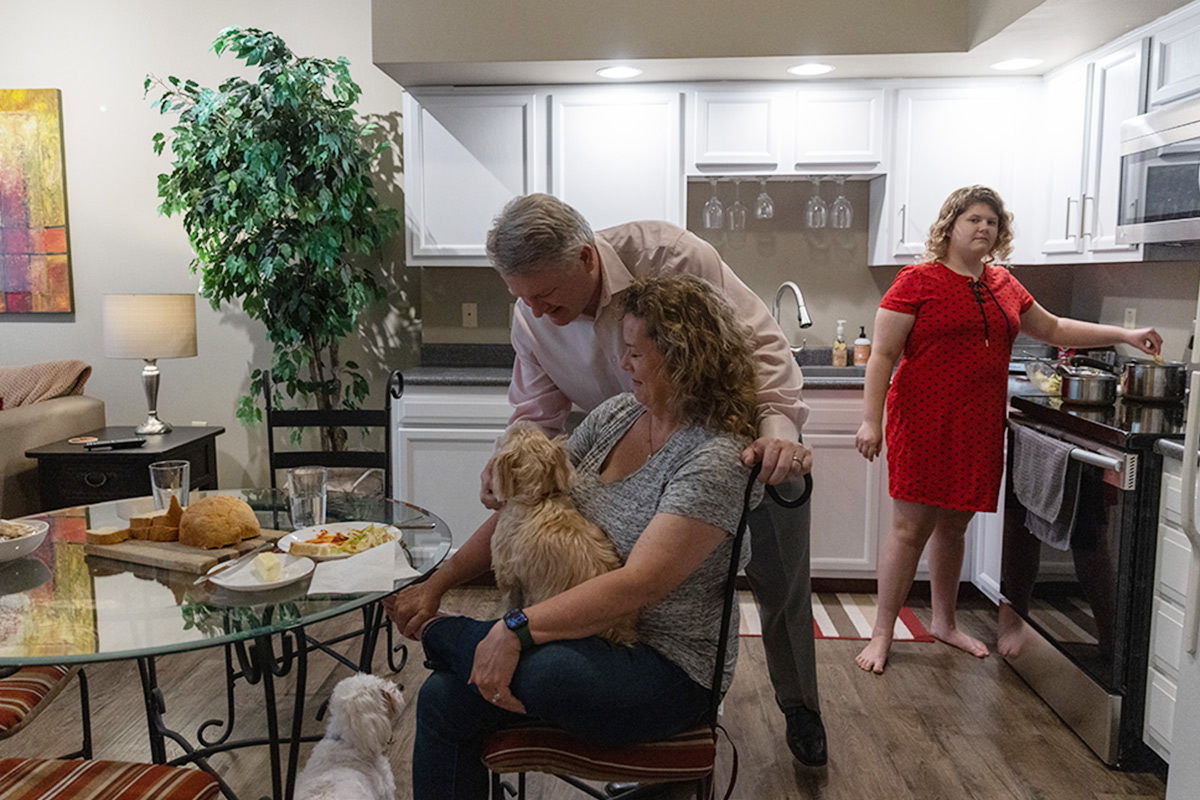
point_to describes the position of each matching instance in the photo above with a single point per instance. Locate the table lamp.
(150, 327)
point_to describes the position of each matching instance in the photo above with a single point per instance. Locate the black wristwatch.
(518, 623)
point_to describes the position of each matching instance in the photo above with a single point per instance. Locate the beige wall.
(98, 55)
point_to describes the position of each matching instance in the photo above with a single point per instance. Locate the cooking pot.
(1150, 381)
(1084, 386)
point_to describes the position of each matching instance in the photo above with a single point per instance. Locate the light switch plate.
(1131, 318)
(470, 315)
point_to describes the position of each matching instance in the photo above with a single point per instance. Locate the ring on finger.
(496, 697)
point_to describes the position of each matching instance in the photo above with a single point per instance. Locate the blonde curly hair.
(707, 352)
(938, 243)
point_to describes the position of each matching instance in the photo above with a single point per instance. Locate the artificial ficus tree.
(273, 179)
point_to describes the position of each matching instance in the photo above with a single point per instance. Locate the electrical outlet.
(1131, 318)
(470, 315)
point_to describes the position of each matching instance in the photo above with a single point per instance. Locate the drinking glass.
(737, 213)
(816, 212)
(842, 213)
(170, 479)
(764, 206)
(306, 488)
(714, 211)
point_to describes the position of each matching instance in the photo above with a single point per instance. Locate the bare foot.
(956, 638)
(874, 656)
(1011, 638)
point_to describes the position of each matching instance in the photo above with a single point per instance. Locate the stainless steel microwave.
(1160, 175)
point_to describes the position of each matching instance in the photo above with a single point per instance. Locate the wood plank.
(176, 556)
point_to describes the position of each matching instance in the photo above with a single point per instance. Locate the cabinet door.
(1116, 96)
(844, 522)
(839, 130)
(1175, 61)
(1066, 101)
(737, 129)
(986, 537)
(438, 469)
(615, 156)
(946, 138)
(465, 156)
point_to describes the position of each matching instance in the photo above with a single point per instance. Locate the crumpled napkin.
(374, 570)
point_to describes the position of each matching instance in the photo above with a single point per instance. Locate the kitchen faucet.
(801, 311)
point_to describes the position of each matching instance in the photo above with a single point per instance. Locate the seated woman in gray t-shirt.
(660, 471)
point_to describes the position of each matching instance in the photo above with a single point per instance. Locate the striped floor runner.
(839, 616)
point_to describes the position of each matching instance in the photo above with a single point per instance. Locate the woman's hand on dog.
(496, 660)
(411, 607)
(486, 496)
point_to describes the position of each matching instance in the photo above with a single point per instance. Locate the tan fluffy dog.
(542, 544)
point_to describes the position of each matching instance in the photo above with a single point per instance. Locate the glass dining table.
(66, 604)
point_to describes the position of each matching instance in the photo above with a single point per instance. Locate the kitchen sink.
(827, 371)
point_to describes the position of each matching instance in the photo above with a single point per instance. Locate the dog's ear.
(365, 718)
(504, 477)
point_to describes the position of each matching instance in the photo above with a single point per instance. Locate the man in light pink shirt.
(567, 336)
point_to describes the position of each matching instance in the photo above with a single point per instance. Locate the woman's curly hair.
(708, 354)
(938, 244)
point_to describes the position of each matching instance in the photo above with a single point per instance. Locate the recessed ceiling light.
(810, 69)
(618, 73)
(1016, 63)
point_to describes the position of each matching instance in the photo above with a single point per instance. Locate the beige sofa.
(28, 421)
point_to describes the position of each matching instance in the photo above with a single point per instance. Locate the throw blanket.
(34, 382)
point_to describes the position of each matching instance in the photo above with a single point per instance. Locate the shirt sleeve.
(906, 294)
(532, 393)
(710, 486)
(779, 379)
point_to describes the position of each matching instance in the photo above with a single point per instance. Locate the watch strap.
(518, 623)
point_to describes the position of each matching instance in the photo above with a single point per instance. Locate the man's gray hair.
(535, 232)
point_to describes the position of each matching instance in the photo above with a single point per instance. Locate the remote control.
(116, 444)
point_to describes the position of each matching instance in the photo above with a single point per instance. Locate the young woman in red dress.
(951, 323)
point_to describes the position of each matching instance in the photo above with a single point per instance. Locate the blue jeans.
(589, 687)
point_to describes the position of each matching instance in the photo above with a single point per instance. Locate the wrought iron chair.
(374, 618)
(686, 757)
(25, 691)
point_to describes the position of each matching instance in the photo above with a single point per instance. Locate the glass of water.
(306, 492)
(170, 479)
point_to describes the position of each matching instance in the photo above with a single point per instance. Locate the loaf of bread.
(217, 521)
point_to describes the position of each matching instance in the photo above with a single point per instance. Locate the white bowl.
(24, 545)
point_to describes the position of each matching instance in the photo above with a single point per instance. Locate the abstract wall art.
(35, 264)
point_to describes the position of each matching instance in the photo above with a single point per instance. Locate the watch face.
(516, 618)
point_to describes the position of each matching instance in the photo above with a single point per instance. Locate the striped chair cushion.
(23, 694)
(542, 748)
(35, 778)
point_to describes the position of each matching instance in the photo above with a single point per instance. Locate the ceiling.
(424, 42)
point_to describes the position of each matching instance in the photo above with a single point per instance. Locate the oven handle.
(1080, 454)
(1191, 439)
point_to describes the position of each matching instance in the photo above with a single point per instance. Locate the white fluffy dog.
(350, 763)
(542, 544)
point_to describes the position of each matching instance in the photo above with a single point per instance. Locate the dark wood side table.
(72, 475)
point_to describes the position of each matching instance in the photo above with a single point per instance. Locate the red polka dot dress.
(948, 400)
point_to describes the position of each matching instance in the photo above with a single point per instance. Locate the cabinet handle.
(903, 224)
(1083, 213)
(95, 479)
(1067, 219)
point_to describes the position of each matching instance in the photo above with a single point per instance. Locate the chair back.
(333, 418)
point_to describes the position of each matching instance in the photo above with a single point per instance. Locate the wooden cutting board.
(176, 556)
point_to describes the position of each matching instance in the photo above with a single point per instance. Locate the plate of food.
(21, 538)
(264, 572)
(337, 539)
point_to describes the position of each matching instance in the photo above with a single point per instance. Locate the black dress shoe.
(806, 736)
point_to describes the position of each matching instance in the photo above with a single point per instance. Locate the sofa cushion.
(33, 383)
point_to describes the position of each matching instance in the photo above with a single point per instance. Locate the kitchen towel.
(1046, 481)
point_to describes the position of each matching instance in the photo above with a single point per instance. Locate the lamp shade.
(149, 326)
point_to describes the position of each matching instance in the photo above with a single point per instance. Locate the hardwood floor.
(938, 724)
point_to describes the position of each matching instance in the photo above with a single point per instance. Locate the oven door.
(1078, 593)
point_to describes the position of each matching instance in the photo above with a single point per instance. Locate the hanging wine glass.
(737, 212)
(714, 210)
(764, 206)
(842, 212)
(815, 211)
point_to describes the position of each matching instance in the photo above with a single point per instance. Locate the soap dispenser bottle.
(839, 345)
(862, 346)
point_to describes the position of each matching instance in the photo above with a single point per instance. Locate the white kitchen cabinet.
(849, 500)
(839, 130)
(985, 539)
(465, 156)
(948, 136)
(737, 130)
(1175, 59)
(616, 155)
(1118, 82)
(1066, 107)
(444, 437)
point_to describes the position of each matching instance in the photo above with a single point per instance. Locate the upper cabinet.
(947, 137)
(814, 130)
(465, 156)
(1084, 106)
(1175, 59)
